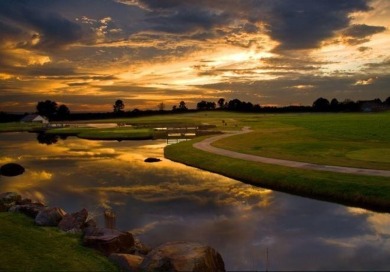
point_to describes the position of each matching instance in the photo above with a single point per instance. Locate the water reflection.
(167, 201)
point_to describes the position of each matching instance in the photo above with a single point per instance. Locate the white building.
(35, 118)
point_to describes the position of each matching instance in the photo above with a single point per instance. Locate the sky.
(89, 53)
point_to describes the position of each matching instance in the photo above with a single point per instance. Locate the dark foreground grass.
(360, 191)
(27, 247)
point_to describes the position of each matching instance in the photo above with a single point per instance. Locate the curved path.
(205, 145)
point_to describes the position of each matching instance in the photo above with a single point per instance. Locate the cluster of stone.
(120, 247)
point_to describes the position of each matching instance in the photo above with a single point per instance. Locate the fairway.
(354, 140)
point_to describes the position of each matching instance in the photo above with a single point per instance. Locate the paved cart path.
(205, 145)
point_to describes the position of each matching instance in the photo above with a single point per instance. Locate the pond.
(167, 201)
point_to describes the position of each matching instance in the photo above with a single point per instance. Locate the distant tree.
(183, 106)
(234, 104)
(321, 104)
(47, 108)
(174, 108)
(118, 106)
(334, 104)
(161, 106)
(63, 112)
(204, 105)
(349, 105)
(387, 101)
(221, 103)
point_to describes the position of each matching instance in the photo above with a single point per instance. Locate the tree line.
(60, 112)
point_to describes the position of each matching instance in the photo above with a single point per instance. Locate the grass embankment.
(355, 140)
(27, 247)
(361, 191)
(17, 126)
(119, 133)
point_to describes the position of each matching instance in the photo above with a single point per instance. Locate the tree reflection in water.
(49, 139)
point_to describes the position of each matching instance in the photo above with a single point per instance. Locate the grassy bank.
(360, 191)
(17, 126)
(120, 133)
(27, 247)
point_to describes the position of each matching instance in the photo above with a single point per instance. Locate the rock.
(49, 217)
(108, 241)
(25, 201)
(152, 160)
(73, 222)
(31, 209)
(9, 199)
(11, 169)
(140, 248)
(91, 223)
(126, 262)
(183, 256)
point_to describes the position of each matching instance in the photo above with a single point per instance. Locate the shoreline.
(366, 192)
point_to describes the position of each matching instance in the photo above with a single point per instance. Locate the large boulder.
(11, 169)
(30, 209)
(73, 222)
(9, 199)
(49, 217)
(108, 241)
(183, 256)
(126, 262)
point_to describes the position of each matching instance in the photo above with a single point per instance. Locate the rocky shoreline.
(129, 253)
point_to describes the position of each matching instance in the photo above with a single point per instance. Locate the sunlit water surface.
(167, 201)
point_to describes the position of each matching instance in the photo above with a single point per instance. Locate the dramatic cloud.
(89, 53)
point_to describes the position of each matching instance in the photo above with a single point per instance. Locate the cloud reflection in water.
(167, 201)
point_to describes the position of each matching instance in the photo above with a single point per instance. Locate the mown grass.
(17, 126)
(355, 140)
(27, 247)
(361, 191)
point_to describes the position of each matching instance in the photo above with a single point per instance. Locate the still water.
(167, 201)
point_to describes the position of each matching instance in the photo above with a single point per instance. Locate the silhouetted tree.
(47, 108)
(183, 106)
(221, 102)
(204, 105)
(118, 106)
(63, 112)
(237, 105)
(234, 104)
(174, 108)
(387, 101)
(334, 104)
(161, 106)
(321, 104)
(349, 105)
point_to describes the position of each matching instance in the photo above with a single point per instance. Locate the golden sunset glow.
(147, 52)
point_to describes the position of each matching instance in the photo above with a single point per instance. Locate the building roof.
(32, 117)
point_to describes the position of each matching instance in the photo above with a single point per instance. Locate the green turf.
(122, 133)
(27, 247)
(355, 140)
(17, 126)
(361, 191)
